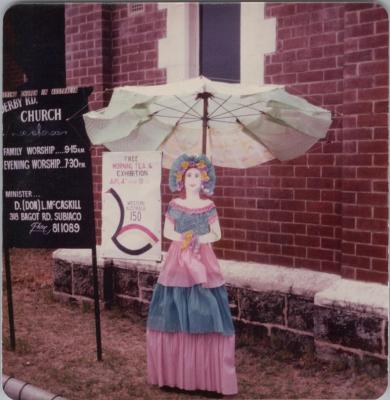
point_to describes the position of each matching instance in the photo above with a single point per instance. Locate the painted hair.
(183, 163)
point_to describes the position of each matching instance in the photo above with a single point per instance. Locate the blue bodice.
(186, 219)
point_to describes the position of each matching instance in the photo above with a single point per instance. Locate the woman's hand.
(187, 239)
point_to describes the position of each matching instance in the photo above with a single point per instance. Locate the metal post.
(205, 119)
(95, 283)
(94, 264)
(87, 92)
(97, 306)
(204, 126)
(9, 298)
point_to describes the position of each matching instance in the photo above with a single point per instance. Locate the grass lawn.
(56, 351)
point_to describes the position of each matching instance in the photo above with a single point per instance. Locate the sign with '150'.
(132, 205)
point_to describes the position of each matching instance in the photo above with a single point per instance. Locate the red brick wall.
(87, 47)
(365, 143)
(325, 210)
(335, 55)
(309, 61)
(109, 46)
(135, 43)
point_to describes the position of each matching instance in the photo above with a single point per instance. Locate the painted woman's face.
(192, 180)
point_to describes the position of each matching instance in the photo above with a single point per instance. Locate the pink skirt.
(186, 268)
(192, 361)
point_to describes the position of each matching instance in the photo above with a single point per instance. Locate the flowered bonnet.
(185, 162)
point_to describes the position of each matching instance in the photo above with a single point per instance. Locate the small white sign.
(131, 205)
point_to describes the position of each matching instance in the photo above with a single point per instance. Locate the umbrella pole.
(205, 119)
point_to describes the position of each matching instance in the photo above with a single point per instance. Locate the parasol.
(236, 125)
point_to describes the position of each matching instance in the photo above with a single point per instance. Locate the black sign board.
(47, 193)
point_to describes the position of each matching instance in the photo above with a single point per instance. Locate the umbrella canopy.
(236, 125)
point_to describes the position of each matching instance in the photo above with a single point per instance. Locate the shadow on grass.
(202, 393)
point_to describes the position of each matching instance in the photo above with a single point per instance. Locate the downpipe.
(19, 390)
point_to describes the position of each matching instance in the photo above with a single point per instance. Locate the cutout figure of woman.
(190, 333)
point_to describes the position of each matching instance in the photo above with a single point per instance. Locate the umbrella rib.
(171, 108)
(219, 105)
(189, 107)
(227, 111)
(246, 115)
(167, 137)
(245, 130)
(78, 111)
(187, 122)
(183, 117)
(249, 133)
(239, 108)
(224, 122)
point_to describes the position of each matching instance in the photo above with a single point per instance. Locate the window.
(137, 7)
(220, 42)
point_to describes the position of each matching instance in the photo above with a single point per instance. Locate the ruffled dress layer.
(190, 333)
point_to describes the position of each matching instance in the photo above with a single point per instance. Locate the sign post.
(9, 299)
(47, 198)
(97, 307)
